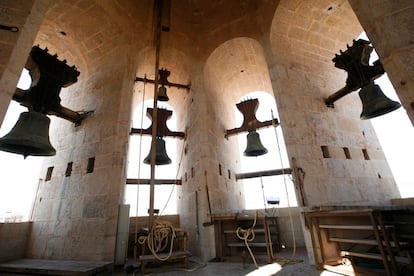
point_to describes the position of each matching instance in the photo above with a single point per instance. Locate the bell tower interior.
(119, 78)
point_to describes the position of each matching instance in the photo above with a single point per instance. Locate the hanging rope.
(263, 193)
(248, 235)
(176, 177)
(139, 172)
(286, 190)
(162, 232)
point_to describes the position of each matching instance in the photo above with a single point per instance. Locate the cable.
(176, 177)
(284, 182)
(263, 194)
(139, 172)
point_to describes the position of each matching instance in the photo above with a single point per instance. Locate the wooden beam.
(263, 173)
(167, 83)
(136, 181)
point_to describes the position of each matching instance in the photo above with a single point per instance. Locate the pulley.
(29, 136)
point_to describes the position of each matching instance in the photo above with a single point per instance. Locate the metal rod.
(337, 95)
(234, 131)
(167, 83)
(157, 43)
(12, 29)
(141, 181)
(263, 173)
(148, 131)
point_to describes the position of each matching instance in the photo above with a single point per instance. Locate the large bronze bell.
(254, 145)
(162, 94)
(161, 157)
(374, 102)
(29, 136)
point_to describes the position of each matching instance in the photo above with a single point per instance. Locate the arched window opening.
(260, 191)
(19, 176)
(395, 133)
(137, 196)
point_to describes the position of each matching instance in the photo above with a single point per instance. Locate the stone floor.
(285, 265)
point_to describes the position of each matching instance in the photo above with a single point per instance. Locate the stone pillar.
(75, 216)
(389, 26)
(207, 189)
(15, 46)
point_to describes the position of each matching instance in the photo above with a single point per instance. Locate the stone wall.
(13, 239)
(224, 56)
(318, 137)
(15, 46)
(76, 215)
(388, 26)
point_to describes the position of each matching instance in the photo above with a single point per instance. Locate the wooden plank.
(256, 231)
(141, 181)
(174, 255)
(357, 241)
(399, 259)
(362, 255)
(251, 244)
(55, 267)
(335, 213)
(352, 227)
(349, 227)
(263, 173)
(137, 223)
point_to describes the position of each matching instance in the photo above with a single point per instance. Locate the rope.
(139, 172)
(263, 193)
(176, 177)
(248, 235)
(286, 191)
(161, 234)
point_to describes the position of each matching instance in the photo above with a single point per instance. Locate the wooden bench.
(357, 233)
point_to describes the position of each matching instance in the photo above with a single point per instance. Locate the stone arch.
(179, 65)
(234, 69)
(98, 37)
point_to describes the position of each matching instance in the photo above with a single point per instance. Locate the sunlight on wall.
(257, 190)
(19, 177)
(396, 135)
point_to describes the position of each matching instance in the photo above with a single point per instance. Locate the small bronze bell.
(161, 157)
(162, 94)
(254, 145)
(29, 136)
(374, 102)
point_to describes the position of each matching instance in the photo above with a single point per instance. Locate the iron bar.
(337, 95)
(157, 44)
(139, 181)
(263, 173)
(12, 29)
(258, 125)
(166, 83)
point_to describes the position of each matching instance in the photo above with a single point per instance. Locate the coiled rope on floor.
(159, 237)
